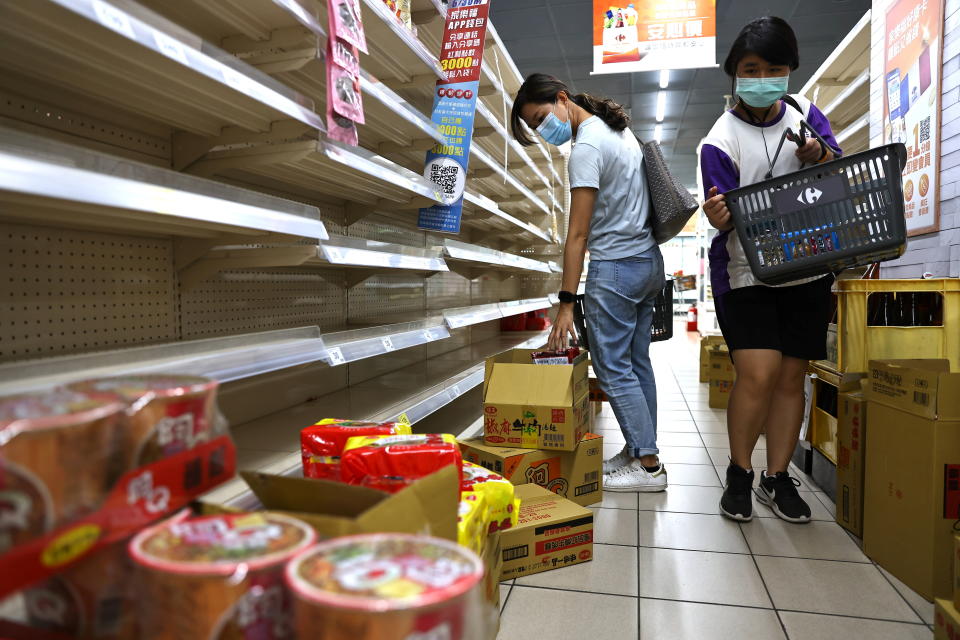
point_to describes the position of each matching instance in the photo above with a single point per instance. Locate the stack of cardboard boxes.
(716, 369)
(947, 613)
(536, 434)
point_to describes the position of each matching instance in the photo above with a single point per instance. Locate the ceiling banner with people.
(650, 35)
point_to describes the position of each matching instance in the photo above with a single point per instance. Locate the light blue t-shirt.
(612, 162)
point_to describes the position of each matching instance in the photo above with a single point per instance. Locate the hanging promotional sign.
(911, 112)
(651, 35)
(454, 107)
(344, 99)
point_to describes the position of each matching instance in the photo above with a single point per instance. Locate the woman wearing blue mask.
(610, 215)
(772, 332)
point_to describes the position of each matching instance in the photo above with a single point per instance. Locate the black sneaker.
(780, 493)
(737, 500)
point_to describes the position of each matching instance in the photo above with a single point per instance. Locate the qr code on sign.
(445, 177)
(925, 129)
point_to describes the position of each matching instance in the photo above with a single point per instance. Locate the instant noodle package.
(86, 466)
(389, 587)
(390, 463)
(218, 577)
(502, 507)
(472, 521)
(322, 444)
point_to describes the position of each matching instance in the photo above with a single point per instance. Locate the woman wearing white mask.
(772, 332)
(610, 215)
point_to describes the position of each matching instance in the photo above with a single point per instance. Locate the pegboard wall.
(71, 291)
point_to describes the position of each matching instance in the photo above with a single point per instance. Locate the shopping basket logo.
(809, 195)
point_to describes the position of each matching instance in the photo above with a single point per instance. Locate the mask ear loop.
(763, 135)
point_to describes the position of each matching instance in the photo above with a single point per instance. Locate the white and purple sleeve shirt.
(738, 153)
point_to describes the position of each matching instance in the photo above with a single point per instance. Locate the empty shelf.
(347, 251)
(474, 254)
(42, 180)
(357, 344)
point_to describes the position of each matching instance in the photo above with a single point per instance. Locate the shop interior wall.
(937, 253)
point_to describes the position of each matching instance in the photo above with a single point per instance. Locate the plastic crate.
(859, 341)
(823, 219)
(660, 329)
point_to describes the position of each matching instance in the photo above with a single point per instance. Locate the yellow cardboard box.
(912, 479)
(956, 571)
(722, 376)
(851, 455)
(552, 532)
(535, 406)
(706, 343)
(946, 621)
(575, 475)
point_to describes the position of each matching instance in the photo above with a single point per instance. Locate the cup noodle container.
(55, 448)
(92, 599)
(388, 587)
(218, 577)
(169, 414)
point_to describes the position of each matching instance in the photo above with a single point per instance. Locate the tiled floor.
(669, 567)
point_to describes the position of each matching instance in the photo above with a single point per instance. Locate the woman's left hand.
(810, 152)
(562, 327)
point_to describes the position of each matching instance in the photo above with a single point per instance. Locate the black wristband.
(566, 297)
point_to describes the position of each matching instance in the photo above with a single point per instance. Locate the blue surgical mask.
(554, 130)
(762, 92)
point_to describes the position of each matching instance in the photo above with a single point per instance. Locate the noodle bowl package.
(391, 463)
(472, 521)
(321, 445)
(218, 577)
(92, 599)
(503, 508)
(388, 587)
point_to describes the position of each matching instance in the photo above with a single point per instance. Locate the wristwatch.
(566, 297)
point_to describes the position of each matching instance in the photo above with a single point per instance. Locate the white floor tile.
(917, 602)
(691, 531)
(817, 540)
(808, 626)
(703, 475)
(567, 615)
(684, 455)
(683, 499)
(613, 570)
(679, 439)
(504, 594)
(817, 510)
(613, 500)
(842, 588)
(664, 619)
(711, 426)
(721, 457)
(719, 578)
(614, 526)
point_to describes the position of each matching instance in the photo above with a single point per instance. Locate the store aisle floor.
(669, 567)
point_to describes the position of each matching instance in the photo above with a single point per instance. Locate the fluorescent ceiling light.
(664, 78)
(658, 132)
(661, 106)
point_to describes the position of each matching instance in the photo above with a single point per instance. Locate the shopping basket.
(829, 217)
(660, 329)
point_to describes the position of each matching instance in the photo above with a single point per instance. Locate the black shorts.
(791, 320)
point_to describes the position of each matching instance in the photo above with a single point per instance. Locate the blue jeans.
(618, 306)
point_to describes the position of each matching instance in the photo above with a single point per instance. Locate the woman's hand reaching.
(562, 327)
(716, 209)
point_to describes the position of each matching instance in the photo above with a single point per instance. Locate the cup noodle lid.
(383, 572)
(220, 545)
(55, 408)
(160, 385)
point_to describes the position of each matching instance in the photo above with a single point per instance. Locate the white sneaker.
(617, 461)
(634, 477)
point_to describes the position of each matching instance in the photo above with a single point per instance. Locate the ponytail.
(540, 88)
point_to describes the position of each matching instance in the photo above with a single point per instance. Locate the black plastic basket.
(660, 329)
(823, 219)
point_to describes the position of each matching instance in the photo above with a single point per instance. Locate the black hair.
(769, 37)
(540, 88)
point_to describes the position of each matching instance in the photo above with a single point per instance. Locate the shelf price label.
(336, 356)
(114, 19)
(387, 343)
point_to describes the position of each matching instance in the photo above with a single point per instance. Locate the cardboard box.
(851, 455)
(575, 475)
(493, 564)
(956, 571)
(428, 506)
(912, 479)
(552, 533)
(706, 343)
(946, 621)
(596, 393)
(722, 376)
(535, 406)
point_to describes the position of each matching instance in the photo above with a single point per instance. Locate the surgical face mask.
(554, 130)
(762, 92)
